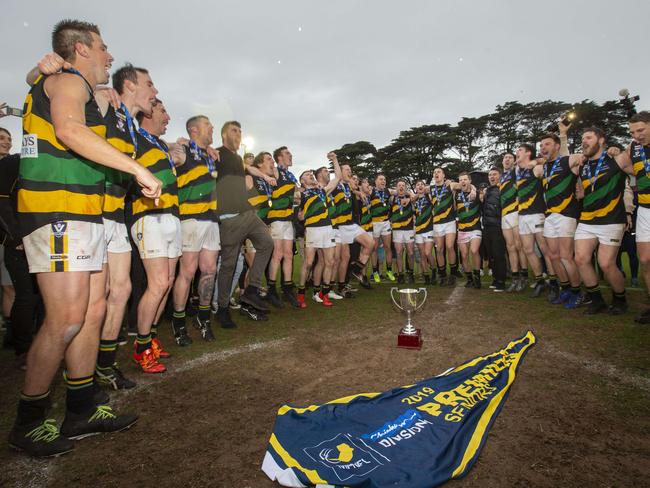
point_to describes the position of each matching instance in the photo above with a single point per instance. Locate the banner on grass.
(414, 436)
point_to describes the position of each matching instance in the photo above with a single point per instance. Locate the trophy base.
(410, 341)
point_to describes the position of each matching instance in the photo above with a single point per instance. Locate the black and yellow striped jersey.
(54, 182)
(560, 188)
(401, 216)
(444, 210)
(282, 201)
(313, 205)
(423, 214)
(342, 196)
(259, 196)
(380, 205)
(365, 219)
(530, 193)
(469, 212)
(197, 189)
(153, 154)
(604, 187)
(332, 210)
(639, 155)
(508, 193)
(120, 133)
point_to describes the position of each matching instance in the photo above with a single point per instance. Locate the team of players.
(90, 177)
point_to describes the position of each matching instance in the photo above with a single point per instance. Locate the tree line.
(476, 143)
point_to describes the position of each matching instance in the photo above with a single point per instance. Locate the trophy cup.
(409, 337)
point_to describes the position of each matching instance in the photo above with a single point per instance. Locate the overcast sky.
(314, 75)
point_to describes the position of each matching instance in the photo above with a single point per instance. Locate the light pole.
(247, 144)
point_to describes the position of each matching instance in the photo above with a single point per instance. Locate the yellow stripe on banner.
(59, 201)
(286, 408)
(474, 361)
(601, 212)
(489, 412)
(193, 174)
(439, 217)
(311, 474)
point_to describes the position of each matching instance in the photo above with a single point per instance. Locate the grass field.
(578, 414)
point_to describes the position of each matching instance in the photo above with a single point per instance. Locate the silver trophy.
(409, 337)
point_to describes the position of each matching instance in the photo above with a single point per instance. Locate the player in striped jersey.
(350, 232)
(532, 207)
(156, 231)
(444, 227)
(197, 208)
(637, 154)
(60, 198)
(602, 221)
(424, 231)
(319, 235)
(282, 232)
(380, 210)
(468, 209)
(510, 224)
(401, 223)
(559, 174)
(322, 175)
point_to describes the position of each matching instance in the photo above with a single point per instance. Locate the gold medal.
(270, 203)
(214, 173)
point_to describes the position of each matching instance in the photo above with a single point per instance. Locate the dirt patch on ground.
(208, 423)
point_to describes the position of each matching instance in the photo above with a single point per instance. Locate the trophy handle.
(392, 296)
(418, 307)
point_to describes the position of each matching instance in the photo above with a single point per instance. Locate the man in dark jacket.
(495, 245)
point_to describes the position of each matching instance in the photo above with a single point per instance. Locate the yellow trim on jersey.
(510, 208)
(527, 203)
(113, 203)
(439, 217)
(280, 213)
(192, 175)
(468, 224)
(564, 204)
(316, 218)
(283, 190)
(33, 124)
(644, 198)
(601, 212)
(143, 204)
(51, 201)
(122, 146)
(257, 200)
(197, 208)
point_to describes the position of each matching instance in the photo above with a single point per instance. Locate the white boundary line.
(40, 471)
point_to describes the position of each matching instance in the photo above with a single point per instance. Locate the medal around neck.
(409, 337)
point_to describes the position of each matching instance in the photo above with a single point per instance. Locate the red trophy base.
(410, 341)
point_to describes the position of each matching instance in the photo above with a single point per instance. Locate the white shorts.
(465, 237)
(5, 278)
(320, 237)
(70, 245)
(558, 225)
(158, 236)
(117, 237)
(510, 221)
(642, 224)
(381, 229)
(200, 234)
(607, 234)
(282, 230)
(441, 230)
(531, 224)
(337, 236)
(424, 237)
(403, 236)
(349, 232)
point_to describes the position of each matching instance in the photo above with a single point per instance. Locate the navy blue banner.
(417, 436)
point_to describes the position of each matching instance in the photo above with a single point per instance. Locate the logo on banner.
(346, 457)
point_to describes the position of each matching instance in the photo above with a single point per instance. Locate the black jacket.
(492, 207)
(8, 221)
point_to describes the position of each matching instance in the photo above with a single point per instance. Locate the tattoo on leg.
(205, 288)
